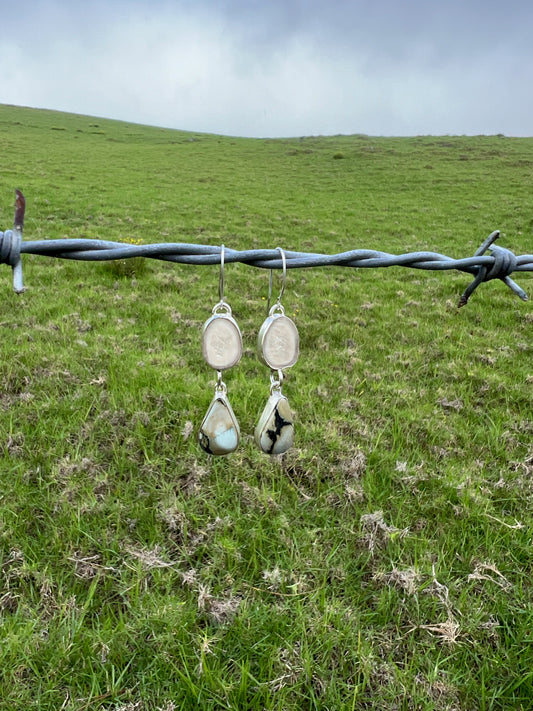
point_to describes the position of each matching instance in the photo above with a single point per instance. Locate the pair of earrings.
(277, 348)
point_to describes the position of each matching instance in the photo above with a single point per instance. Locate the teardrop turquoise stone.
(219, 432)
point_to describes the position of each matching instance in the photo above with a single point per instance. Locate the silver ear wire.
(221, 277)
(283, 281)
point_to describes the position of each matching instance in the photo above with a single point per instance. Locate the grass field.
(383, 563)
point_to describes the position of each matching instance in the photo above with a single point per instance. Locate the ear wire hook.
(221, 278)
(221, 306)
(283, 281)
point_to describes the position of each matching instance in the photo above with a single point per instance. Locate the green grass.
(386, 561)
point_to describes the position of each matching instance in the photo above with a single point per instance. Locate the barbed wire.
(500, 264)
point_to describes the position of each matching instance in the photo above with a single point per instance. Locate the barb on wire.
(500, 264)
(505, 263)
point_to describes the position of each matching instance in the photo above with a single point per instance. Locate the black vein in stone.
(204, 443)
(274, 434)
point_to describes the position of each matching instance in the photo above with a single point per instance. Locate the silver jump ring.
(276, 381)
(220, 386)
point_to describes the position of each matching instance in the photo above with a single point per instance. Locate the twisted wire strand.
(500, 264)
(94, 250)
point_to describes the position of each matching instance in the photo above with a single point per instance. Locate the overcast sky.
(276, 67)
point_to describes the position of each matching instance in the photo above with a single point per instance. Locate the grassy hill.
(384, 562)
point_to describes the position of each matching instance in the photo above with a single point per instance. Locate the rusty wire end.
(20, 209)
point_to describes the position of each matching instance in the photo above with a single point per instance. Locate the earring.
(221, 349)
(278, 346)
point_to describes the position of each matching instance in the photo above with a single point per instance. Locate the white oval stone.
(278, 342)
(219, 432)
(221, 342)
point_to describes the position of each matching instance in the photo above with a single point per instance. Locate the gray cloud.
(279, 68)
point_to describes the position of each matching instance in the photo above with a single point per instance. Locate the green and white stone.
(219, 432)
(274, 433)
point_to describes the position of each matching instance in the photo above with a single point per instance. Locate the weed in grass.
(131, 267)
